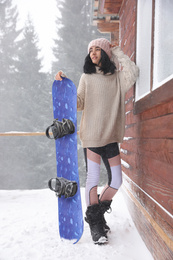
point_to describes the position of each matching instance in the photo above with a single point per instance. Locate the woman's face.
(95, 55)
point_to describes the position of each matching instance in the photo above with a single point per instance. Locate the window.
(163, 42)
(154, 46)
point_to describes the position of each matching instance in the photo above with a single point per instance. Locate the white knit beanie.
(103, 43)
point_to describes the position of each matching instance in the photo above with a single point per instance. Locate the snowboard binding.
(60, 129)
(62, 186)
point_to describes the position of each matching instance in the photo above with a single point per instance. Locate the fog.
(28, 162)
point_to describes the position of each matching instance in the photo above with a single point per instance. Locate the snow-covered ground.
(29, 230)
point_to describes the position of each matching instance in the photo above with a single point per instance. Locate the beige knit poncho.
(102, 100)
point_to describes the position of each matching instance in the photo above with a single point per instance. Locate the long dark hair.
(107, 66)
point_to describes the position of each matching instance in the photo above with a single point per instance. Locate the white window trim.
(156, 83)
(143, 49)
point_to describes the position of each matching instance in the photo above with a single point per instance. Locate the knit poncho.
(102, 100)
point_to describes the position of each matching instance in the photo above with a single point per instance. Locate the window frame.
(159, 95)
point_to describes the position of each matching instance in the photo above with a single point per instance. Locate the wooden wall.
(147, 157)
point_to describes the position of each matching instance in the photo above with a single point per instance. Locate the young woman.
(101, 97)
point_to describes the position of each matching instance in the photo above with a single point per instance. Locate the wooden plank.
(109, 7)
(130, 118)
(156, 211)
(132, 131)
(159, 149)
(116, 2)
(129, 104)
(128, 41)
(113, 10)
(158, 181)
(152, 114)
(128, 20)
(130, 93)
(154, 237)
(150, 171)
(95, 14)
(152, 148)
(157, 111)
(159, 96)
(101, 6)
(161, 127)
(112, 4)
(96, 3)
(105, 27)
(153, 176)
(130, 145)
(23, 134)
(115, 38)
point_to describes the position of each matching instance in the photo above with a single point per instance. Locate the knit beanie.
(103, 43)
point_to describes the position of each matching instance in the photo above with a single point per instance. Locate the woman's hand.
(58, 75)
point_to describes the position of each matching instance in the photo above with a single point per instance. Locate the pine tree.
(8, 59)
(8, 43)
(34, 110)
(26, 105)
(29, 77)
(74, 32)
(29, 64)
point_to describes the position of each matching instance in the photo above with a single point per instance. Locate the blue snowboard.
(64, 95)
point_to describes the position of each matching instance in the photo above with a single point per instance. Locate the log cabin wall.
(147, 149)
(147, 156)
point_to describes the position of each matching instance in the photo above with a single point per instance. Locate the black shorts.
(106, 152)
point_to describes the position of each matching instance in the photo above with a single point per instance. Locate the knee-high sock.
(116, 179)
(93, 175)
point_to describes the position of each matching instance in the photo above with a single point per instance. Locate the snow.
(29, 230)
(125, 164)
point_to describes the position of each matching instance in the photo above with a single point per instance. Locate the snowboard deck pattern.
(64, 95)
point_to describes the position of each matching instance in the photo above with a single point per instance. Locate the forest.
(28, 162)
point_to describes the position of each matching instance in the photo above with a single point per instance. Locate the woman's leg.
(111, 159)
(93, 161)
(94, 215)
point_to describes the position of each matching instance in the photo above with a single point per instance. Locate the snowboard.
(64, 96)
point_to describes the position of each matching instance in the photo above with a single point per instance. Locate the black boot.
(105, 206)
(94, 217)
